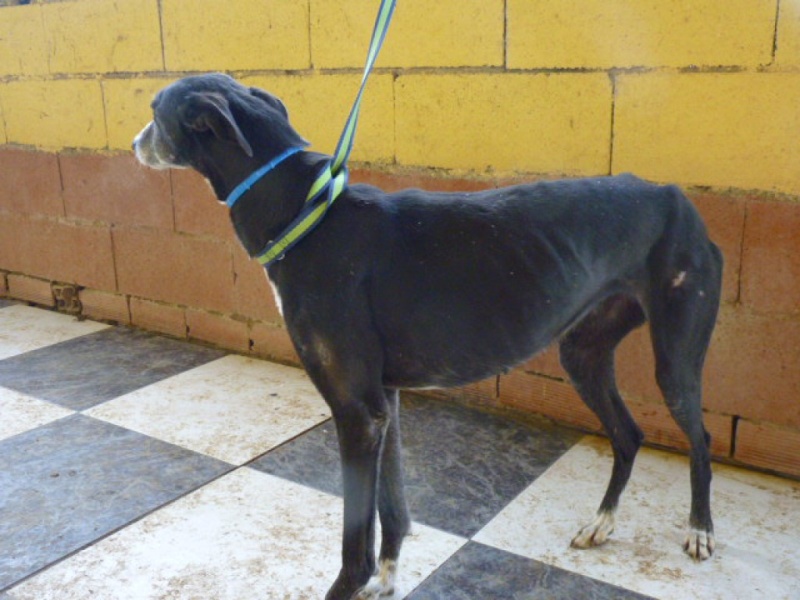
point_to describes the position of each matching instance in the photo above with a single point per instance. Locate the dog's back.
(466, 285)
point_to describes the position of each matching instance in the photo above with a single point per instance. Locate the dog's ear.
(209, 111)
(271, 100)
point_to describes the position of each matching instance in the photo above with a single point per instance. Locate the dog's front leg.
(392, 505)
(361, 432)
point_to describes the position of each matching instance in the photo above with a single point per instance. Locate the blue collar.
(245, 185)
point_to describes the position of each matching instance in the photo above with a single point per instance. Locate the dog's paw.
(382, 583)
(699, 544)
(596, 533)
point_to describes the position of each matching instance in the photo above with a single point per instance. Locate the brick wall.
(468, 94)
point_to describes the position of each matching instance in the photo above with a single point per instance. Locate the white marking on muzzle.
(150, 150)
(138, 146)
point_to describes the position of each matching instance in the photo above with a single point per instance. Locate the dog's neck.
(275, 200)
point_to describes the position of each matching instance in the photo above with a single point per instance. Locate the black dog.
(418, 289)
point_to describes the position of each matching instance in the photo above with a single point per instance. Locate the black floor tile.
(68, 483)
(87, 370)
(462, 465)
(478, 571)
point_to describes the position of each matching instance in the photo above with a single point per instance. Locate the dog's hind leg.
(682, 319)
(392, 506)
(587, 354)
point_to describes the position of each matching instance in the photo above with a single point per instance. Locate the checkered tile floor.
(134, 466)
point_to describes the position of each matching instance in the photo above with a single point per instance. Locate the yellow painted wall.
(697, 92)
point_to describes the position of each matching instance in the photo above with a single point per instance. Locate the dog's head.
(215, 125)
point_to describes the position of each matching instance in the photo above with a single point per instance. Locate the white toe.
(699, 544)
(382, 583)
(595, 533)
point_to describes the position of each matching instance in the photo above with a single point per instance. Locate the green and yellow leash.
(332, 180)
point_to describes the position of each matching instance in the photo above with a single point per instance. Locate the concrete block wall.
(468, 94)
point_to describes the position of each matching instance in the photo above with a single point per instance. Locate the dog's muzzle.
(151, 150)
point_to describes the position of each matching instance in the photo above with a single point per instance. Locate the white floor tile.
(246, 535)
(22, 413)
(755, 522)
(24, 328)
(233, 409)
